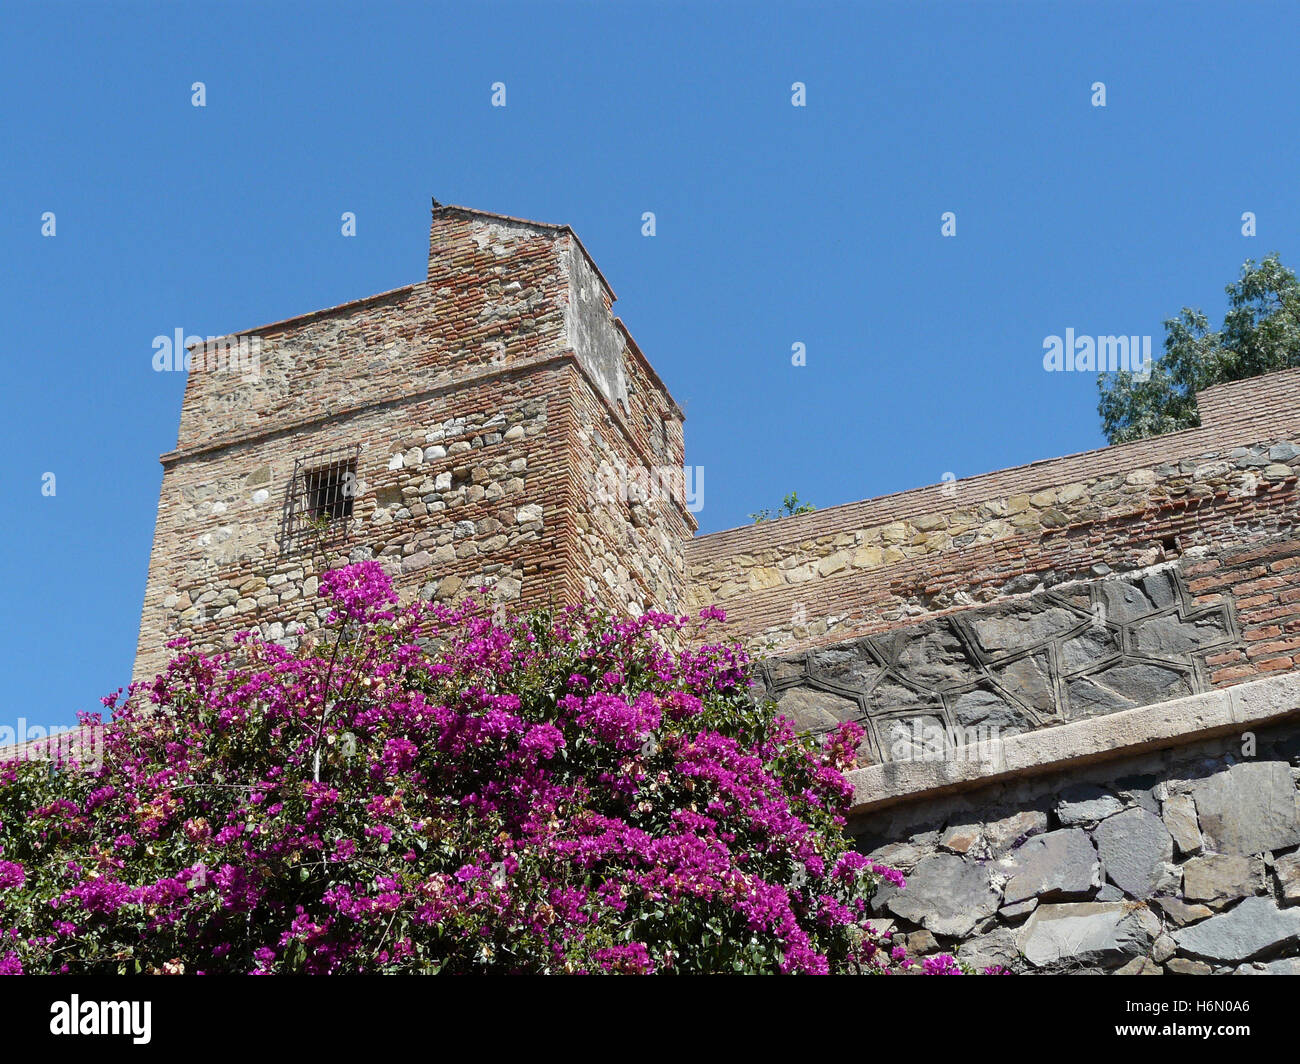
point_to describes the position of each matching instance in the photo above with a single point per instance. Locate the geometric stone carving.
(927, 689)
(814, 710)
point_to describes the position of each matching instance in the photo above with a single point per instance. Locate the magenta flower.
(446, 788)
(12, 875)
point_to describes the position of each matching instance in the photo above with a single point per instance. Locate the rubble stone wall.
(1185, 861)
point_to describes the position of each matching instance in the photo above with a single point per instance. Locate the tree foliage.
(790, 507)
(1260, 333)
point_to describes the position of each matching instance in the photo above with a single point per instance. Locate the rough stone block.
(1287, 871)
(1085, 804)
(1256, 926)
(1180, 818)
(1248, 808)
(1061, 864)
(1218, 879)
(947, 895)
(1088, 934)
(1134, 845)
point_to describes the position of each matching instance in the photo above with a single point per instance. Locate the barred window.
(318, 500)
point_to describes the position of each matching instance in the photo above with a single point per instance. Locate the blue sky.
(775, 225)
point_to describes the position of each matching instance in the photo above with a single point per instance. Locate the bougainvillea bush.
(437, 789)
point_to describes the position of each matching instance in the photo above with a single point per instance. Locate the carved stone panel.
(927, 689)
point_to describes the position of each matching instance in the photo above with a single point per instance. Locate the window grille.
(318, 500)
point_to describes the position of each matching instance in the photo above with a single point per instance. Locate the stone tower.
(487, 426)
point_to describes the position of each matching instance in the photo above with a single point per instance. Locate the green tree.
(790, 507)
(1260, 334)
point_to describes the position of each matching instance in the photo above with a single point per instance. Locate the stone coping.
(1161, 725)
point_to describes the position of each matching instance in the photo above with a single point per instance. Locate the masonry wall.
(633, 526)
(866, 566)
(1184, 861)
(465, 479)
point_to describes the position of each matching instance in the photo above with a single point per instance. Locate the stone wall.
(451, 494)
(1057, 690)
(630, 535)
(1185, 861)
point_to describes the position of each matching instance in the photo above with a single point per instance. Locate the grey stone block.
(1087, 933)
(1248, 808)
(1001, 835)
(1134, 846)
(1180, 818)
(1181, 913)
(1287, 871)
(1254, 928)
(996, 947)
(947, 895)
(1086, 804)
(1061, 864)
